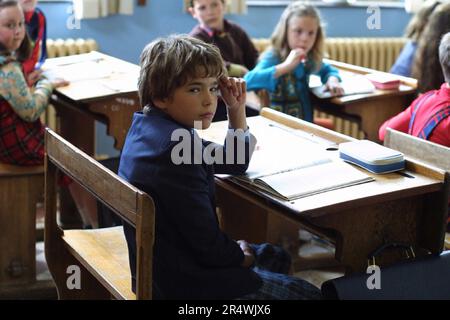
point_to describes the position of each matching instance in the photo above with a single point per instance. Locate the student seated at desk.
(296, 52)
(236, 48)
(21, 130)
(193, 258)
(428, 117)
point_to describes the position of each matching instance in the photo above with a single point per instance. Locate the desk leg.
(78, 128)
(118, 112)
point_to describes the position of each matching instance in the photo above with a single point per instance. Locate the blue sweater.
(263, 77)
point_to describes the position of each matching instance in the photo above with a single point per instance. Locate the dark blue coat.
(193, 258)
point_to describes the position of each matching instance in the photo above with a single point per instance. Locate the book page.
(312, 180)
(281, 149)
(351, 83)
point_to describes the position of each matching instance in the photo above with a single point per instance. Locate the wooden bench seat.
(105, 253)
(21, 188)
(101, 255)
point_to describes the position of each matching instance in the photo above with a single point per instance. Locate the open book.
(302, 182)
(290, 165)
(351, 84)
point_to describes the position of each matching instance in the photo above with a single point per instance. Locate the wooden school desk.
(371, 109)
(407, 207)
(101, 88)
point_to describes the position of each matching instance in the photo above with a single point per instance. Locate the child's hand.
(33, 77)
(249, 255)
(58, 82)
(234, 92)
(295, 57)
(334, 86)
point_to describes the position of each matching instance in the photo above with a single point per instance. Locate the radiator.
(61, 48)
(68, 47)
(374, 53)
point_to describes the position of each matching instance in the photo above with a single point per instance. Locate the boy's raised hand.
(234, 92)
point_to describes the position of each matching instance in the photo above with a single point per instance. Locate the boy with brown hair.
(180, 80)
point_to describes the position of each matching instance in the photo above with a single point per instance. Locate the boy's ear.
(160, 103)
(191, 11)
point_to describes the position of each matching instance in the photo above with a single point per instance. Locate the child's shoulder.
(157, 127)
(9, 64)
(233, 27)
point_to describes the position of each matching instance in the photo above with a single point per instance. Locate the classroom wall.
(125, 36)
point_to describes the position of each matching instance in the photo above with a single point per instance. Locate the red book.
(383, 81)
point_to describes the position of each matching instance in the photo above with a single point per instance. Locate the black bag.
(421, 278)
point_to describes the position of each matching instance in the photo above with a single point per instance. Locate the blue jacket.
(193, 258)
(263, 77)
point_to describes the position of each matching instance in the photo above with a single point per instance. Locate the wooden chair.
(100, 254)
(20, 190)
(424, 151)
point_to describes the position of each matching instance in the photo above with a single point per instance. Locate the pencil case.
(372, 156)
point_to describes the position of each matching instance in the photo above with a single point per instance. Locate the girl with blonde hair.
(296, 52)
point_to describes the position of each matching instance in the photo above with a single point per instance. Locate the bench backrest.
(424, 151)
(430, 154)
(131, 204)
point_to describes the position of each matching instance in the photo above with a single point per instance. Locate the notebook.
(372, 156)
(351, 83)
(383, 81)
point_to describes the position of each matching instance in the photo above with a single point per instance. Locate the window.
(331, 3)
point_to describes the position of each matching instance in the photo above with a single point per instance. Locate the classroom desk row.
(356, 220)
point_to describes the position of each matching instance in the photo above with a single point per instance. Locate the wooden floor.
(313, 261)
(44, 287)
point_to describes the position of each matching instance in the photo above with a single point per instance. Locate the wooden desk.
(101, 88)
(358, 219)
(371, 109)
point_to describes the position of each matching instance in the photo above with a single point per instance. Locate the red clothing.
(437, 101)
(21, 131)
(21, 142)
(37, 31)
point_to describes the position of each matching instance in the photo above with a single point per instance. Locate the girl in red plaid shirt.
(21, 131)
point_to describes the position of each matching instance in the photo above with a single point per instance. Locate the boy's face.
(194, 101)
(209, 13)
(28, 5)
